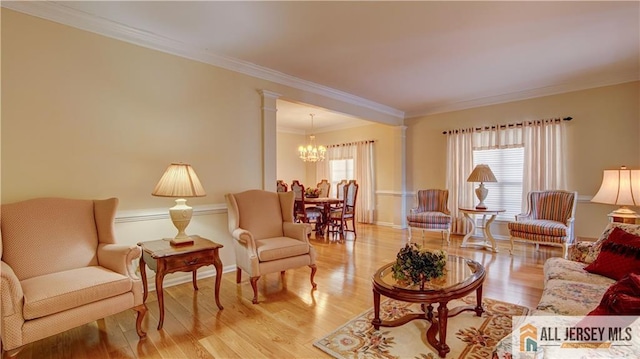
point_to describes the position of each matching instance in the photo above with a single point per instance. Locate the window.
(507, 165)
(339, 170)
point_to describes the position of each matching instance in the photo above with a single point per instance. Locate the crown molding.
(615, 79)
(60, 13)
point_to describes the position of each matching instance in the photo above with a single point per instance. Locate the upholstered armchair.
(431, 213)
(62, 268)
(266, 238)
(549, 220)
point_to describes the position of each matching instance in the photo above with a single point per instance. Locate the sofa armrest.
(523, 216)
(582, 251)
(413, 210)
(297, 231)
(11, 295)
(119, 258)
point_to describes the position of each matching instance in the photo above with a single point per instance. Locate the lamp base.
(181, 241)
(624, 215)
(481, 193)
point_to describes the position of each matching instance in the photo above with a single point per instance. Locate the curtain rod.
(507, 125)
(350, 143)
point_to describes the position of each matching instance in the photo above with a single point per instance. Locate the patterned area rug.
(468, 336)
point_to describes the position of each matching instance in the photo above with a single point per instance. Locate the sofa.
(569, 290)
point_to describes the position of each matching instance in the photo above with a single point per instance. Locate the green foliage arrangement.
(415, 265)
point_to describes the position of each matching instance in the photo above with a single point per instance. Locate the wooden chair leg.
(314, 268)
(254, 285)
(142, 310)
(238, 275)
(12, 353)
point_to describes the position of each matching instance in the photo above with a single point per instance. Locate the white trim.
(68, 16)
(387, 224)
(394, 193)
(525, 94)
(163, 213)
(184, 277)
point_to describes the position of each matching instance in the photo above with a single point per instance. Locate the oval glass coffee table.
(462, 276)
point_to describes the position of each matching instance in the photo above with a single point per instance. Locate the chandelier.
(312, 153)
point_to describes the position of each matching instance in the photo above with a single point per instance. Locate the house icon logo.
(528, 338)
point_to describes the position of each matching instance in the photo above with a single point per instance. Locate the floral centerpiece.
(312, 192)
(416, 265)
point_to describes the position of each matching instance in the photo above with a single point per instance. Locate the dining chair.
(325, 188)
(301, 212)
(281, 186)
(345, 212)
(339, 188)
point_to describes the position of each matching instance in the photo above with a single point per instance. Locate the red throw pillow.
(619, 255)
(621, 298)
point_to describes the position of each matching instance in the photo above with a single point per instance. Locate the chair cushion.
(337, 214)
(56, 292)
(429, 217)
(539, 226)
(539, 237)
(619, 255)
(270, 249)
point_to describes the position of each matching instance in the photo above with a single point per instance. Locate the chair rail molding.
(142, 215)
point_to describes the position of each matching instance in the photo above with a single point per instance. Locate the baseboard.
(179, 278)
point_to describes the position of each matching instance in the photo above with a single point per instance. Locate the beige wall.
(290, 167)
(86, 116)
(604, 134)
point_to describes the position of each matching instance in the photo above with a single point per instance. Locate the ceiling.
(402, 58)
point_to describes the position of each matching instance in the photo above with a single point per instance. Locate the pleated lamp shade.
(180, 180)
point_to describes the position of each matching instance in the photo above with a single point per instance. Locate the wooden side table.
(163, 258)
(488, 241)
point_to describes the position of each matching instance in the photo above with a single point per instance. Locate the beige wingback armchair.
(266, 238)
(62, 268)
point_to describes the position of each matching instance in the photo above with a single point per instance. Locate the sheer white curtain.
(544, 156)
(461, 145)
(362, 154)
(544, 160)
(459, 166)
(363, 174)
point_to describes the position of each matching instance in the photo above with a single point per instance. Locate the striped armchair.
(549, 220)
(432, 212)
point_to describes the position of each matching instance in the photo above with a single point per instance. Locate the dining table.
(326, 203)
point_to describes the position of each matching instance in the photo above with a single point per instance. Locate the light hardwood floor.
(290, 316)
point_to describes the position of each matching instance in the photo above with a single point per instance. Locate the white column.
(269, 139)
(400, 176)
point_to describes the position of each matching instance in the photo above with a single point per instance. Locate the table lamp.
(482, 173)
(180, 180)
(620, 187)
